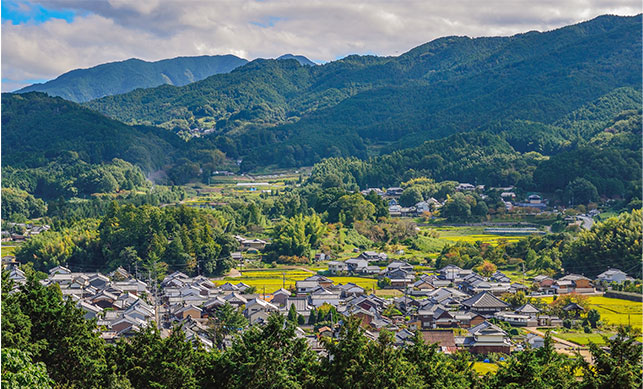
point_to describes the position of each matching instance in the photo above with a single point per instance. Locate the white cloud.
(320, 29)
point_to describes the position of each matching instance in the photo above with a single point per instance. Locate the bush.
(587, 330)
(567, 323)
(384, 282)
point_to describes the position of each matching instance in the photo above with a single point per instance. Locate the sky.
(42, 39)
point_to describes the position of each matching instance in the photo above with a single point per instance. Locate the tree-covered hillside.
(36, 128)
(528, 83)
(112, 78)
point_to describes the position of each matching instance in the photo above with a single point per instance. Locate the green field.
(584, 339)
(9, 250)
(483, 368)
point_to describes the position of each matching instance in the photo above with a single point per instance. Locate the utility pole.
(283, 280)
(156, 310)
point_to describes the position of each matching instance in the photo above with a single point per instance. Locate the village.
(458, 309)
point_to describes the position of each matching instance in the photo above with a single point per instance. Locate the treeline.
(68, 176)
(147, 238)
(613, 243)
(46, 341)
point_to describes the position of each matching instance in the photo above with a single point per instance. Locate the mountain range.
(364, 104)
(81, 85)
(445, 108)
(113, 78)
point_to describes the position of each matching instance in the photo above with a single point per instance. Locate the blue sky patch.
(19, 12)
(268, 21)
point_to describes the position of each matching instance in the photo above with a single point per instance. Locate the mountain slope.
(452, 84)
(112, 78)
(37, 128)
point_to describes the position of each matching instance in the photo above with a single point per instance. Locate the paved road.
(586, 222)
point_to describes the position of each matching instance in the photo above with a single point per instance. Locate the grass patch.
(583, 339)
(9, 250)
(367, 283)
(427, 244)
(473, 234)
(485, 368)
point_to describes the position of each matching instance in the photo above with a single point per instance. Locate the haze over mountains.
(81, 85)
(453, 108)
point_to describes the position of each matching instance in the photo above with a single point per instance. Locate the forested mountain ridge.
(451, 84)
(404, 117)
(36, 128)
(112, 78)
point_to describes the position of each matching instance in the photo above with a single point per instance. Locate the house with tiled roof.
(528, 309)
(485, 303)
(487, 338)
(445, 339)
(614, 275)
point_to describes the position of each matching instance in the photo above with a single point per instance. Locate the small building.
(614, 275)
(188, 311)
(394, 192)
(535, 341)
(573, 309)
(528, 309)
(534, 199)
(445, 339)
(246, 243)
(516, 319)
(464, 186)
(305, 287)
(336, 267)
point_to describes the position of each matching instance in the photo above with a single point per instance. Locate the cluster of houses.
(434, 304)
(19, 232)
(430, 205)
(120, 303)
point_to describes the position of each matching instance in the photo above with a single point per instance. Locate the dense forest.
(46, 342)
(150, 238)
(525, 83)
(610, 160)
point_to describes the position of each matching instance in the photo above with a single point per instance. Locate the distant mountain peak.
(112, 78)
(299, 58)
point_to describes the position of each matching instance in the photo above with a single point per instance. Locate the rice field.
(473, 234)
(272, 279)
(615, 311)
